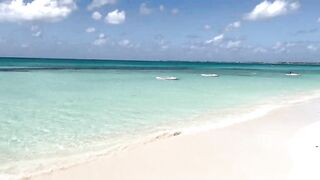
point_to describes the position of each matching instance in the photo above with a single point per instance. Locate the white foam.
(250, 113)
(167, 78)
(293, 74)
(210, 75)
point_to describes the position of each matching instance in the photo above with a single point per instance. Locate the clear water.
(57, 108)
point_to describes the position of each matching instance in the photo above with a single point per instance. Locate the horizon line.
(169, 60)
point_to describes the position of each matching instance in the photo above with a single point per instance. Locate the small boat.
(167, 78)
(292, 74)
(210, 75)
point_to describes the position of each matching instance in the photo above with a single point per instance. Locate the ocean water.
(53, 110)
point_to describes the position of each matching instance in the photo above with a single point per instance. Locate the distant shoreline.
(167, 61)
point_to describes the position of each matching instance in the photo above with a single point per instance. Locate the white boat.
(292, 74)
(210, 75)
(167, 78)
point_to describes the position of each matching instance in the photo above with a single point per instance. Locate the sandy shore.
(281, 145)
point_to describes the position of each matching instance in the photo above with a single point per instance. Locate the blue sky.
(206, 30)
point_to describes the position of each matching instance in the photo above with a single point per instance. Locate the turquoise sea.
(59, 110)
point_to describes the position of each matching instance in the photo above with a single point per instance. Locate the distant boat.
(167, 78)
(292, 74)
(210, 75)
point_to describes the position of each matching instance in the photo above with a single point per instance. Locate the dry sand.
(259, 149)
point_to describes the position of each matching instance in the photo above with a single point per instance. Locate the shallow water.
(56, 108)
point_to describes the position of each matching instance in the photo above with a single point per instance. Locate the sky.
(203, 30)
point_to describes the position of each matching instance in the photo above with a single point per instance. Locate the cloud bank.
(36, 10)
(268, 9)
(116, 17)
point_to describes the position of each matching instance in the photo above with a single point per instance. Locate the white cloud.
(24, 45)
(101, 40)
(174, 11)
(216, 39)
(290, 44)
(164, 47)
(161, 42)
(124, 43)
(37, 34)
(36, 10)
(312, 47)
(161, 8)
(219, 37)
(101, 35)
(233, 44)
(144, 9)
(260, 50)
(319, 20)
(268, 9)
(207, 27)
(195, 47)
(34, 28)
(233, 26)
(116, 17)
(96, 15)
(283, 46)
(90, 29)
(36, 31)
(98, 3)
(277, 45)
(294, 5)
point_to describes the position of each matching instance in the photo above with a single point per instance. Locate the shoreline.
(186, 137)
(247, 114)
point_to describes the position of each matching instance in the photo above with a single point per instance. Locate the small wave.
(210, 75)
(167, 78)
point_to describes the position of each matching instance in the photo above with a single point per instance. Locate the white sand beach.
(284, 144)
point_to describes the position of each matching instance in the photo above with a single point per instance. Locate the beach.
(280, 145)
(115, 119)
(159, 90)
